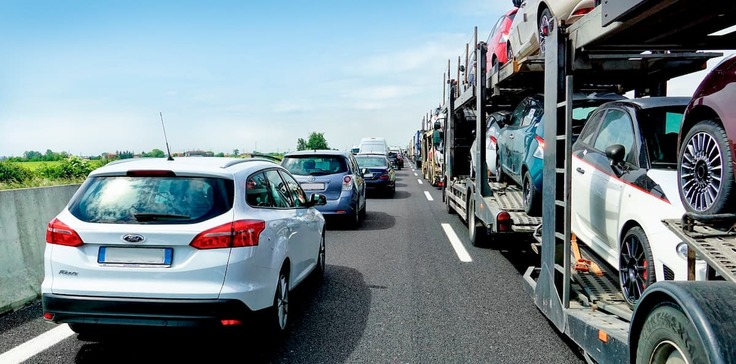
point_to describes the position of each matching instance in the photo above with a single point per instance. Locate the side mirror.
(462, 68)
(364, 171)
(615, 154)
(517, 3)
(317, 199)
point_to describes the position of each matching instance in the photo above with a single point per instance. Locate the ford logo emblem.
(133, 238)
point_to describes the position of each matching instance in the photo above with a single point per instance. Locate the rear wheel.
(319, 270)
(500, 177)
(476, 231)
(704, 172)
(354, 219)
(544, 26)
(667, 336)
(532, 200)
(636, 266)
(278, 317)
(362, 212)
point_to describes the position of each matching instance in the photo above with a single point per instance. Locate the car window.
(616, 129)
(298, 196)
(519, 113)
(278, 189)
(372, 162)
(314, 165)
(588, 133)
(257, 192)
(152, 199)
(660, 128)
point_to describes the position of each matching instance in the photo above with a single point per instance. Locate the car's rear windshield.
(152, 200)
(315, 165)
(371, 162)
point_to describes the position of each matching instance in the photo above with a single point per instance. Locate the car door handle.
(580, 170)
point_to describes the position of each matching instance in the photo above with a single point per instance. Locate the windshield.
(315, 165)
(152, 200)
(371, 162)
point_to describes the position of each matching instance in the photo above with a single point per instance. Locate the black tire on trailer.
(668, 336)
(704, 175)
(476, 230)
(532, 198)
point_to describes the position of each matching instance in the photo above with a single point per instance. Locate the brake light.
(346, 183)
(503, 221)
(151, 173)
(539, 152)
(384, 177)
(61, 234)
(237, 234)
(581, 12)
(493, 141)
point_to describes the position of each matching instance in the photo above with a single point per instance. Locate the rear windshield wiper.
(149, 216)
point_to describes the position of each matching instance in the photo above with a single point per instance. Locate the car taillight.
(231, 235)
(384, 177)
(539, 152)
(493, 141)
(59, 233)
(503, 221)
(581, 12)
(347, 183)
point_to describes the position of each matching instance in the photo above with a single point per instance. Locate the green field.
(33, 166)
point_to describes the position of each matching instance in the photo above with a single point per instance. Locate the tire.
(476, 231)
(544, 19)
(704, 173)
(319, 271)
(532, 198)
(362, 212)
(636, 265)
(509, 53)
(668, 336)
(500, 177)
(277, 319)
(354, 220)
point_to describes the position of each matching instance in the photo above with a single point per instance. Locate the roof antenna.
(165, 138)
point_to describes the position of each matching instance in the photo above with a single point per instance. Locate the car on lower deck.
(624, 183)
(335, 174)
(205, 243)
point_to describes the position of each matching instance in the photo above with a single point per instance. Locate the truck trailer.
(631, 46)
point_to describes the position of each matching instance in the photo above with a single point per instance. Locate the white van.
(373, 145)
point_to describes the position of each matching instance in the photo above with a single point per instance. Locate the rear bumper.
(341, 206)
(143, 311)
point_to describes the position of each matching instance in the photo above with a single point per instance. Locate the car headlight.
(682, 251)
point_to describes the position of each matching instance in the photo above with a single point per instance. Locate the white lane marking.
(429, 197)
(420, 182)
(36, 345)
(415, 174)
(460, 250)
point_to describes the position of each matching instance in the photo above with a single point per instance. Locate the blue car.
(378, 173)
(336, 175)
(520, 143)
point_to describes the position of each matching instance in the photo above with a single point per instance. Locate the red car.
(497, 54)
(706, 144)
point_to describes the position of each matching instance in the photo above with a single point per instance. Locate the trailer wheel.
(667, 336)
(476, 231)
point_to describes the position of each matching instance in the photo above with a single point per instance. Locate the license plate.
(135, 256)
(313, 186)
(368, 175)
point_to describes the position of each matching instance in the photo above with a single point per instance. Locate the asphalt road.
(395, 291)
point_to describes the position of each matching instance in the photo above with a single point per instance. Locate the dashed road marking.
(36, 345)
(460, 250)
(420, 182)
(429, 197)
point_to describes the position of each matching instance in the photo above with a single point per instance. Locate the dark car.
(520, 143)
(395, 160)
(336, 175)
(378, 173)
(707, 158)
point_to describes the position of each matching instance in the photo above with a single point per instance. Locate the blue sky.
(88, 77)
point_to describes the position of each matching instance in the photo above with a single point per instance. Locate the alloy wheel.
(282, 302)
(701, 171)
(633, 269)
